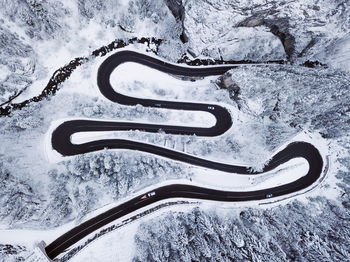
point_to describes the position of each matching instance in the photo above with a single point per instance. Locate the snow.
(176, 89)
(117, 245)
(51, 55)
(241, 32)
(209, 37)
(30, 237)
(286, 173)
(39, 254)
(51, 61)
(124, 236)
(4, 72)
(292, 170)
(140, 81)
(129, 76)
(28, 154)
(154, 80)
(337, 54)
(182, 118)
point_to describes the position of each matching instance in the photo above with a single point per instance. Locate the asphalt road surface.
(61, 143)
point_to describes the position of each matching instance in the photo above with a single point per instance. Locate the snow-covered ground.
(288, 172)
(201, 177)
(115, 246)
(54, 33)
(44, 194)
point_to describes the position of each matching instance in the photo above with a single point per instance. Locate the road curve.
(61, 142)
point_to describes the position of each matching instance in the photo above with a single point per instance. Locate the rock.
(256, 43)
(303, 28)
(337, 53)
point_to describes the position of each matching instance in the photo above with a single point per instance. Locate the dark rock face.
(226, 82)
(178, 10)
(278, 27)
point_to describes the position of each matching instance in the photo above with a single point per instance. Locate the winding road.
(61, 142)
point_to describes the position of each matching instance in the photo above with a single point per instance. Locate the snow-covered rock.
(235, 44)
(303, 27)
(337, 53)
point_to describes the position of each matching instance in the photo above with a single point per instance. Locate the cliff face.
(297, 30)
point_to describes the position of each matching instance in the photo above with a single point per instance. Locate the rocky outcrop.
(226, 82)
(295, 30)
(178, 11)
(224, 38)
